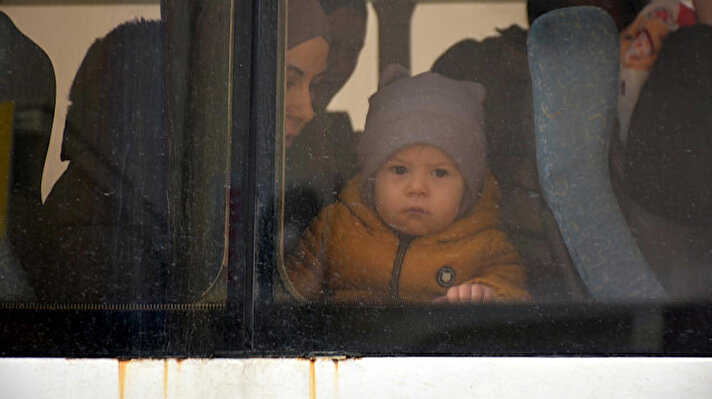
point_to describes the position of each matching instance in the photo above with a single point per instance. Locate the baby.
(421, 220)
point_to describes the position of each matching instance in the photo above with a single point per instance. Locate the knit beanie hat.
(306, 20)
(426, 109)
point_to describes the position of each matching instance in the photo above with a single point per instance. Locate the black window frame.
(41, 329)
(251, 324)
(585, 328)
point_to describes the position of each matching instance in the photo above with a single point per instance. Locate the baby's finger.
(488, 292)
(476, 292)
(440, 300)
(464, 292)
(453, 294)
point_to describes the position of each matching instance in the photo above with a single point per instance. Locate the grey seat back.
(573, 59)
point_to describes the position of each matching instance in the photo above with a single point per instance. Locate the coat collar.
(485, 213)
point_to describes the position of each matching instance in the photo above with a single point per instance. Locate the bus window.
(329, 214)
(354, 177)
(131, 208)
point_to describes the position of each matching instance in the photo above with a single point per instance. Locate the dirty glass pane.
(115, 133)
(568, 186)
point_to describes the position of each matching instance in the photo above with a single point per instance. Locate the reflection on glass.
(27, 103)
(139, 214)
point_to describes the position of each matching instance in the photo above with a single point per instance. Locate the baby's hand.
(464, 293)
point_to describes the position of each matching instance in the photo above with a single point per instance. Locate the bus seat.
(573, 59)
(499, 62)
(27, 96)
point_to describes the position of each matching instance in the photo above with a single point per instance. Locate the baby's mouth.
(416, 211)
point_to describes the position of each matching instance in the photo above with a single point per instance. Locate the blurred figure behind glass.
(322, 159)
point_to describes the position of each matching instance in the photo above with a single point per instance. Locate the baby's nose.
(417, 186)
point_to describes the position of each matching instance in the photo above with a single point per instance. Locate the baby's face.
(418, 190)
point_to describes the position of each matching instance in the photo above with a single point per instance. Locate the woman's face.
(305, 63)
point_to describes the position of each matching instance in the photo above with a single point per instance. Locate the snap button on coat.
(445, 276)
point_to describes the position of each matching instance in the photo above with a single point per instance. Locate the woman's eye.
(399, 170)
(292, 79)
(314, 84)
(440, 172)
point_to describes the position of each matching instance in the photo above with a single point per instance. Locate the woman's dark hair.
(330, 6)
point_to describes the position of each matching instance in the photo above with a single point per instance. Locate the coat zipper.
(403, 244)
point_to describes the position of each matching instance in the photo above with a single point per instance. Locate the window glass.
(116, 123)
(489, 166)
(353, 97)
(454, 22)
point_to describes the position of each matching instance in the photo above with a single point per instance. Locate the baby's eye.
(399, 170)
(440, 172)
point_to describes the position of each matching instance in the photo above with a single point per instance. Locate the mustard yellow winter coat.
(349, 253)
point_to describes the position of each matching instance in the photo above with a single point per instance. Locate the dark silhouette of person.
(106, 219)
(662, 175)
(27, 92)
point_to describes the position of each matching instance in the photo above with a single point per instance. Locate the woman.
(135, 217)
